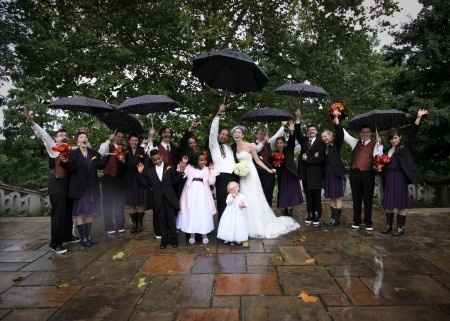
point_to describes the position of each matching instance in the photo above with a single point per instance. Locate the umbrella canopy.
(229, 70)
(267, 114)
(302, 90)
(81, 103)
(121, 121)
(381, 119)
(148, 104)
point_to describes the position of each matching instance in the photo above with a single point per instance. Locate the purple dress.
(395, 194)
(289, 190)
(334, 185)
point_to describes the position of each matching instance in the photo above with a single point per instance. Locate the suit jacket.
(83, 172)
(333, 160)
(311, 168)
(162, 191)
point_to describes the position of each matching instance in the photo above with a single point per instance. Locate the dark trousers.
(68, 221)
(166, 220)
(113, 203)
(58, 215)
(362, 185)
(314, 203)
(268, 184)
(156, 223)
(222, 181)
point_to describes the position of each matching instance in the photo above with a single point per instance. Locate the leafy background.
(115, 49)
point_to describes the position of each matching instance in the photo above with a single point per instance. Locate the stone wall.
(17, 201)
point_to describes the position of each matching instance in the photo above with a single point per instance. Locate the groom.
(223, 159)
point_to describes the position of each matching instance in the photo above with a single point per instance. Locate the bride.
(262, 220)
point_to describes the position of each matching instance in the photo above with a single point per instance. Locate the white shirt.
(221, 164)
(104, 148)
(352, 142)
(311, 141)
(48, 141)
(160, 171)
(148, 147)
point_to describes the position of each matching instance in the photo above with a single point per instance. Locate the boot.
(134, 221)
(401, 220)
(84, 242)
(338, 216)
(389, 222)
(286, 212)
(333, 217)
(140, 222)
(88, 228)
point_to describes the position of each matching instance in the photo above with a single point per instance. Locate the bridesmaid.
(283, 160)
(135, 192)
(334, 170)
(398, 174)
(83, 187)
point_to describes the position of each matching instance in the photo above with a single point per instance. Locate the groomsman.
(58, 182)
(311, 164)
(112, 152)
(223, 159)
(362, 175)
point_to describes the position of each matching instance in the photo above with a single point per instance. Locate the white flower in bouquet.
(242, 168)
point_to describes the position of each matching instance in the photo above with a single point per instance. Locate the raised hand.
(298, 114)
(140, 168)
(291, 125)
(422, 112)
(222, 109)
(28, 114)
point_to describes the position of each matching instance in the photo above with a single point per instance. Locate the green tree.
(422, 51)
(115, 49)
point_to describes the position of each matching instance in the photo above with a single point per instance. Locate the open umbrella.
(117, 120)
(267, 114)
(82, 104)
(229, 70)
(303, 90)
(381, 119)
(148, 104)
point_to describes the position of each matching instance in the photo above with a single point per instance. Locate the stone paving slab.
(312, 274)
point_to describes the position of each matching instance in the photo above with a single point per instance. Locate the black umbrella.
(302, 90)
(81, 103)
(229, 70)
(380, 119)
(267, 114)
(148, 104)
(121, 121)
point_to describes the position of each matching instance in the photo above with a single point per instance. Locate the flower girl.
(233, 226)
(197, 206)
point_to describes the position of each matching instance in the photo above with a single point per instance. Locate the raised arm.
(273, 139)
(349, 139)
(412, 135)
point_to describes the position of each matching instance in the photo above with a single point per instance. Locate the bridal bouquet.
(242, 168)
(380, 161)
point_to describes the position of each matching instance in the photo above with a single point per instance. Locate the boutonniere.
(94, 157)
(168, 168)
(141, 156)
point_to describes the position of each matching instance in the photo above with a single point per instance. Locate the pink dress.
(197, 206)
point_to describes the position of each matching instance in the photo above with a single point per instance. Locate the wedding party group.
(233, 177)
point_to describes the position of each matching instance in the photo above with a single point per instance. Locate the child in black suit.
(163, 180)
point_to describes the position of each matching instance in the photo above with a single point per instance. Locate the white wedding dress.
(262, 222)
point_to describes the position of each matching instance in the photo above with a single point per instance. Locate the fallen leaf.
(245, 244)
(310, 261)
(18, 279)
(141, 283)
(305, 297)
(62, 285)
(118, 256)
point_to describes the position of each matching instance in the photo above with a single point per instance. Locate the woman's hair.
(280, 138)
(238, 127)
(131, 135)
(330, 132)
(231, 185)
(394, 132)
(79, 133)
(163, 129)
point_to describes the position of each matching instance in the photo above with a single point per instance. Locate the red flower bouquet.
(277, 159)
(337, 108)
(380, 161)
(63, 149)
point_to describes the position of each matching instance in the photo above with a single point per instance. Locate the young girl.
(283, 160)
(398, 174)
(233, 226)
(197, 206)
(334, 170)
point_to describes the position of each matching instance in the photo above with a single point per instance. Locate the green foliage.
(115, 49)
(422, 52)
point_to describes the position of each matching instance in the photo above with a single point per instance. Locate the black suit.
(165, 201)
(311, 165)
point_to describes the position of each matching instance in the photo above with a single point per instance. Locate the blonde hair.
(329, 132)
(231, 185)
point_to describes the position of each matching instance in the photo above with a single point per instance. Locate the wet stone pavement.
(319, 274)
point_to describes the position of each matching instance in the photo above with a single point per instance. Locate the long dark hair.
(193, 159)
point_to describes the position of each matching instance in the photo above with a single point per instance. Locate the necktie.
(222, 151)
